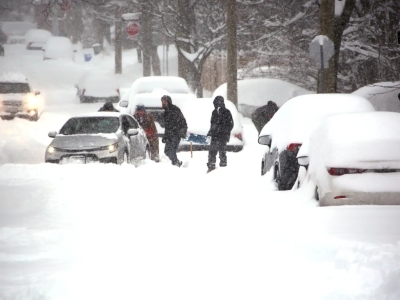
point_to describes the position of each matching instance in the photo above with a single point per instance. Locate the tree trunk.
(231, 51)
(118, 47)
(155, 61)
(146, 41)
(339, 27)
(327, 15)
(184, 30)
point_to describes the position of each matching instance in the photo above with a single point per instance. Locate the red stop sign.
(132, 29)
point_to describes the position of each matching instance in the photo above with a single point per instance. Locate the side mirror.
(37, 93)
(303, 161)
(132, 132)
(52, 134)
(123, 103)
(265, 140)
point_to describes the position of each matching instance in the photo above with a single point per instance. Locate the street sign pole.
(322, 68)
(321, 50)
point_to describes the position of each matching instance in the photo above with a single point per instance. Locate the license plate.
(77, 159)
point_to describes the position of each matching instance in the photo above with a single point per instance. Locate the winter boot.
(211, 167)
(178, 163)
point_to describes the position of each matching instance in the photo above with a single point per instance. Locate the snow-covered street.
(103, 231)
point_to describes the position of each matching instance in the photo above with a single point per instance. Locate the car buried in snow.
(105, 137)
(292, 125)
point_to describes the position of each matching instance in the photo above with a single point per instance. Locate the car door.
(137, 143)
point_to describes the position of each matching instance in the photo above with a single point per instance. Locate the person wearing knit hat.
(146, 120)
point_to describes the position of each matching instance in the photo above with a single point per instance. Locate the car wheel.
(282, 185)
(262, 168)
(316, 193)
(126, 158)
(147, 154)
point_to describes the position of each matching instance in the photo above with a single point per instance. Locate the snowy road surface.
(160, 232)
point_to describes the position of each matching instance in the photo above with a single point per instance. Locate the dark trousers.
(215, 147)
(171, 146)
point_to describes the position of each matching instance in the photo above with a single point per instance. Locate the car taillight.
(344, 171)
(238, 136)
(340, 197)
(83, 91)
(293, 147)
(118, 91)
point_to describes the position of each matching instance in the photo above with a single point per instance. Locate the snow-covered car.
(35, 39)
(198, 115)
(293, 124)
(149, 90)
(58, 47)
(17, 98)
(106, 137)
(256, 92)
(384, 96)
(94, 86)
(354, 159)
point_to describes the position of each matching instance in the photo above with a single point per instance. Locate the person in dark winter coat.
(220, 132)
(108, 106)
(175, 129)
(146, 120)
(264, 114)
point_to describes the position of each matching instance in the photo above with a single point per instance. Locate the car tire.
(147, 154)
(126, 157)
(282, 185)
(316, 194)
(262, 168)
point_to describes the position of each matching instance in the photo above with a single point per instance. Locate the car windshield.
(90, 125)
(14, 88)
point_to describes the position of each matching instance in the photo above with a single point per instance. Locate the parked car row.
(348, 152)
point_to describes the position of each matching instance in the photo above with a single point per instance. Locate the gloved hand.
(164, 140)
(183, 133)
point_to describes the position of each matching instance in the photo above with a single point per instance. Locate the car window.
(90, 125)
(132, 123)
(14, 88)
(127, 123)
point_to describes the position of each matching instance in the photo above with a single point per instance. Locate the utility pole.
(231, 51)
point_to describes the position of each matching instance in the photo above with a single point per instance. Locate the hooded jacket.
(175, 122)
(221, 121)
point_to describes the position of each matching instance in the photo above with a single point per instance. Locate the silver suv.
(17, 99)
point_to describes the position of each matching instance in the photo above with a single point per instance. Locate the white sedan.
(354, 159)
(149, 90)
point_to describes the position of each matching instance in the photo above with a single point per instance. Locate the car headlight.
(112, 148)
(31, 101)
(51, 150)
